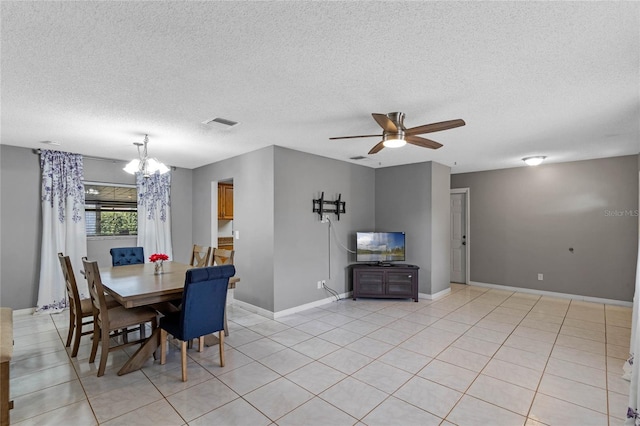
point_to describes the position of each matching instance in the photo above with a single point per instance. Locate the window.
(110, 210)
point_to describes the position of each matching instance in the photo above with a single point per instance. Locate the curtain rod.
(113, 160)
(39, 151)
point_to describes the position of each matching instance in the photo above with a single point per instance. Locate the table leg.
(143, 353)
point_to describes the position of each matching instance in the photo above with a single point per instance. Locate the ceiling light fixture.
(534, 161)
(145, 165)
(394, 140)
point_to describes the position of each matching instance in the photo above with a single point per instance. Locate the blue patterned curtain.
(63, 227)
(154, 213)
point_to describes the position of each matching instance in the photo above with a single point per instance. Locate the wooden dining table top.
(138, 285)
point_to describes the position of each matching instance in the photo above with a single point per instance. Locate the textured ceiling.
(560, 79)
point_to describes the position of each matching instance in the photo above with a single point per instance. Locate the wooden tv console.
(394, 281)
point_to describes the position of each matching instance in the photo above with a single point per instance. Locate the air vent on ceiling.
(358, 157)
(222, 121)
(51, 143)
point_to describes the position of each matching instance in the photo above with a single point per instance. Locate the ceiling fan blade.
(377, 148)
(384, 122)
(435, 127)
(352, 137)
(425, 143)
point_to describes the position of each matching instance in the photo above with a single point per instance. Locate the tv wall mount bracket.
(322, 206)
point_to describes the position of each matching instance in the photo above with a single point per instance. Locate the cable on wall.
(337, 239)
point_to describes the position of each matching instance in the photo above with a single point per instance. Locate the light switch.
(237, 234)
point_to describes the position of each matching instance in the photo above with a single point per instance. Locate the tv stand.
(385, 281)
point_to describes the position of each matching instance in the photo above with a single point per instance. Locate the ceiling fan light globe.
(534, 161)
(394, 143)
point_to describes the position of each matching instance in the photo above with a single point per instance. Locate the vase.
(158, 268)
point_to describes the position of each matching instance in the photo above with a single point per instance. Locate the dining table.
(139, 285)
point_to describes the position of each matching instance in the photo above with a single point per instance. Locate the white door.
(458, 238)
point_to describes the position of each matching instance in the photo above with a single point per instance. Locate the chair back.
(203, 300)
(96, 290)
(126, 256)
(200, 256)
(70, 283)
(222, 257)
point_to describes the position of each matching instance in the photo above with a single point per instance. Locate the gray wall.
(21, 223)
(307, 250)
(283, 248)
(440, 228)
(415, 199)
(20, 227)
(253, 217)
(524, 220)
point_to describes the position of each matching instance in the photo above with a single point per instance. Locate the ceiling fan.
(395, 135)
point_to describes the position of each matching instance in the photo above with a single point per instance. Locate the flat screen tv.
(380, 247)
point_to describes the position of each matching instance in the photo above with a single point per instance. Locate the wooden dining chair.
(106, 320)
(203, 302)
(200, 256)
(222, 257)
(80, 310)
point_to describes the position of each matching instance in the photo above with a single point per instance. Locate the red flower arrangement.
(158, 257)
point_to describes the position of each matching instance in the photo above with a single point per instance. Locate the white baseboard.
(310, 305)
(253, 308)
(274, 315)
(554, 294)
(435, 296)
(25, 311)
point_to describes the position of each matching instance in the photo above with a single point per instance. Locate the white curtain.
(63, 227)
(154, 214)
(631, 368)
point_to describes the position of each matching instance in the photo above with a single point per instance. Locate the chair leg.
(221, 344)
(154, 325)
(76, 340)
(72, 324)
(183, 358)
(143, 331)
(163, 346)
(96, 341)
(226, 327)
(105, 353)
(200, 343)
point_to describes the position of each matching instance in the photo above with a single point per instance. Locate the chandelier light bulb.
(145, 165)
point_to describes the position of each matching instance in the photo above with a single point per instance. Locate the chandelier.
(145, 165)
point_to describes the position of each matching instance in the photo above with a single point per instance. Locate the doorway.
(460, 248)
(222, 225)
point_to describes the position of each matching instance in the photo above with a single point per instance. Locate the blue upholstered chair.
(121, 256)
(203, 302)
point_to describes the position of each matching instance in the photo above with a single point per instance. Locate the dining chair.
(222, 257)
(79, 309)
(106, 320)
(203, 302)
(200, 256)
(121, 256)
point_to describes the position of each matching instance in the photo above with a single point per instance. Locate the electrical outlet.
(324, 219)
(324, 283)
(540, 277)
(320, 284)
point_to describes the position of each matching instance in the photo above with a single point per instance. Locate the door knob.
(464, 243)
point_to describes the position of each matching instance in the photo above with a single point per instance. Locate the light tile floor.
(474, 357)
